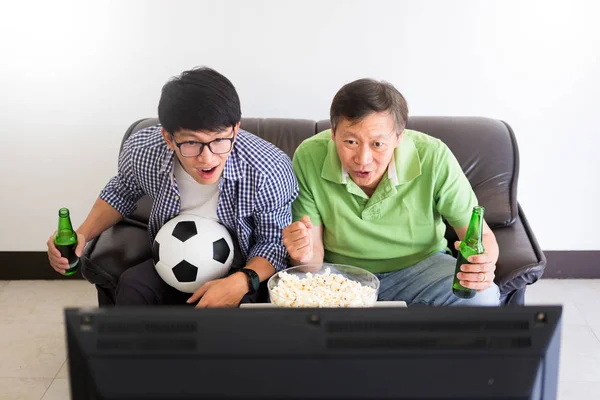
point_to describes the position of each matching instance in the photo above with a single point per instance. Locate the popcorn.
(321, 290)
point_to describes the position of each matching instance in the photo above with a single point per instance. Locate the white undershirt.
(196, 199)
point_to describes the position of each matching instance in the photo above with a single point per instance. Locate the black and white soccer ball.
(189, 251)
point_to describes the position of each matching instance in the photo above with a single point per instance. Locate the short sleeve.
(454, 196)
(305, 174)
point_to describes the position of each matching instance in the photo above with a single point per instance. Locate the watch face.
(253, 280)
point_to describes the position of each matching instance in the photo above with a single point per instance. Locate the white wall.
(74, 75)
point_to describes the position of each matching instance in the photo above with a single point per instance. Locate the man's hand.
(59, 263)
(297, 239)
(225, 292)
(480, 274)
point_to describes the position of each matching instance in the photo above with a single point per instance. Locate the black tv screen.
(164, 353)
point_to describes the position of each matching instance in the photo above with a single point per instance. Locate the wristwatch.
(253, 279)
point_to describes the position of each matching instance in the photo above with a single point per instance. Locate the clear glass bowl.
(356, 274)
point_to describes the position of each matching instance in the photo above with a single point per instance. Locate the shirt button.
(176, 197)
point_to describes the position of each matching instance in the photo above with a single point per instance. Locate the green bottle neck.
(65, 228)
(474, 235)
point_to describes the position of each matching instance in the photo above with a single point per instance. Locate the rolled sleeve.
(123, 191)
(273, 213)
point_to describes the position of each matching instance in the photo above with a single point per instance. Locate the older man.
(374, 195)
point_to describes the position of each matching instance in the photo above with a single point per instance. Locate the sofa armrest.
(118, 248)
(521, 260)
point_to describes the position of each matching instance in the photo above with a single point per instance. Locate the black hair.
(357, 99)
(200, 99)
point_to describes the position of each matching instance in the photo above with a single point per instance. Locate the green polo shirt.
(401, 223)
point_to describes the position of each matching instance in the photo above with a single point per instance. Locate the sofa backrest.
(485, 148)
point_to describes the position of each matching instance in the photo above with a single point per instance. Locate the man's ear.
(236, 128)
(168, 138)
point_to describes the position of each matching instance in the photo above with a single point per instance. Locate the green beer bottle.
(65, 240)
(471, 245)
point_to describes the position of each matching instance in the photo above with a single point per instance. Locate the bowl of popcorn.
(323, 285)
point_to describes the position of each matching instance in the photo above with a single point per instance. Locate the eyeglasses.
(192, 148)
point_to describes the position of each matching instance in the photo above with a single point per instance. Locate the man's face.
(205, 167)
(366, 147)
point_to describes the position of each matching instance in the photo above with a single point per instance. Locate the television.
(177, 353)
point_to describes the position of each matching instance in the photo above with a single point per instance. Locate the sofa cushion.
(286, 134)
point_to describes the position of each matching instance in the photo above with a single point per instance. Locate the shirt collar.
(407, 160)
(235, 166)
(167, 161)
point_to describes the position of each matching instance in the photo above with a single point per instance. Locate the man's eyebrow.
(378, 136)
(349, 134)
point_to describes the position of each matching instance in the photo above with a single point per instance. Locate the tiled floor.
(32, 341)
(33, 356)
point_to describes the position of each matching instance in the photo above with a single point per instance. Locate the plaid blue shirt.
(256, 191)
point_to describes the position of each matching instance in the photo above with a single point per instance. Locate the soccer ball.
(189, 251)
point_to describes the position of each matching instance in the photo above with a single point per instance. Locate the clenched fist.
(297, 238)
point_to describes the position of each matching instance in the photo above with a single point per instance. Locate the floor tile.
(596, 330)
(64, 370)
(578, 390)
(572, 315)
(579, 340)
(23, 388)
(43, 301)
(30, 350)
(582, 291)
(575, 367)
(545, 291)
(577, 291)
(59, 390)
(591, 312)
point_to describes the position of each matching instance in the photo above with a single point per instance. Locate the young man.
(199, 161)
(373, 195)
